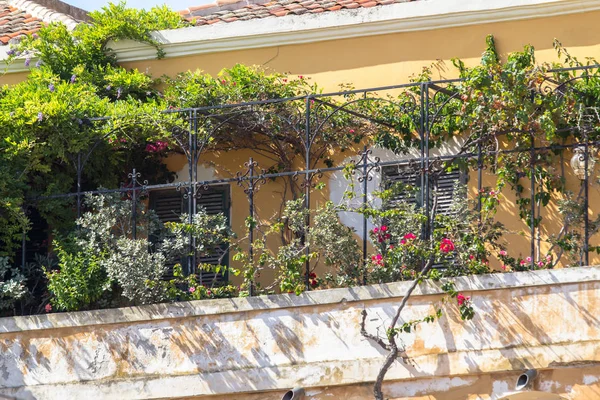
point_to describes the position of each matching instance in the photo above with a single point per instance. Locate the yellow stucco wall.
(392, 59)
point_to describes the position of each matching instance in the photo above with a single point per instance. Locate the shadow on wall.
(257, 350)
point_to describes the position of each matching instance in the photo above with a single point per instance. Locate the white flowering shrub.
(12, 284)
(102, 260)
(134, 267)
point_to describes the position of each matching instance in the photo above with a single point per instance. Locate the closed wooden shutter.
(170, 204)
(445, 182)
(406, 176)
(215, 201)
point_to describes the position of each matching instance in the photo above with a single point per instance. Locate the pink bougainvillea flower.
(548, 258)
(48, 308)
(503, 253)
(446, 246)
(528, 259)
(410, 236)
(351, 130)
(462, 299)
(377, 259)
(383, 228)
(402, 241)
(192, 289)
(471, 256)
(540, 263)
(523, 262)
(375, 230)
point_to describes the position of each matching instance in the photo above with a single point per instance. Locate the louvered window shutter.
(397, 173)
(446, 182)
(170, 204)
(445, 187)
(215, 201)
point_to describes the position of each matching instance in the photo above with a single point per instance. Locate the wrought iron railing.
(307, 126)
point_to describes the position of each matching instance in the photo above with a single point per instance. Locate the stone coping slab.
(187, 309)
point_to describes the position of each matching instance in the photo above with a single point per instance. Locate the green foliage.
(45, 120)
(183, 287)
(79, 282)
(65, 52)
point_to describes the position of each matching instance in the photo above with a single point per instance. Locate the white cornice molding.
(298, 29)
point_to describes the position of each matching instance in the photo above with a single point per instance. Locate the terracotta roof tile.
(228, 11)
(15, 23)
(19, 18)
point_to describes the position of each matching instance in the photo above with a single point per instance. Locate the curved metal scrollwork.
(365, 165)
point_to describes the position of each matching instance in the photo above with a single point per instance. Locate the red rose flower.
(446, 246)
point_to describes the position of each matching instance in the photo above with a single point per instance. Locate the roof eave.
(343, 24)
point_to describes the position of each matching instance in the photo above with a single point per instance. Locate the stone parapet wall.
(258, 347)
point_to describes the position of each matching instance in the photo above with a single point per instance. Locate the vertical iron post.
(423, 161)
(79, 172)
(250, 192)
(250, 183)
(23, 250)
(532, 211)
(427, 171)
(133, 204)
(307, 186)
(365, 178)
(422, 144)
(479, 182)
(194, 192)
(586, 221)
(189, 268)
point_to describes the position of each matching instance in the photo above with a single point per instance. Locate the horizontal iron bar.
(300, 173)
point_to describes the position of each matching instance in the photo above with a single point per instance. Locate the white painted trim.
(16, 66)
(185, 309)
(308, 28)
